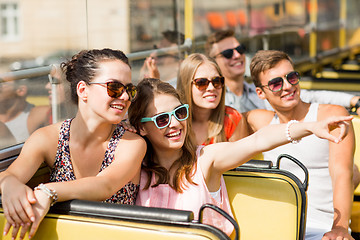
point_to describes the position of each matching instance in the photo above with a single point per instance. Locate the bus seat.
(267, 202)
(89, 220)
(78, 219)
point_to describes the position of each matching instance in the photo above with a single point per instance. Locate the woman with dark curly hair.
(100, 161)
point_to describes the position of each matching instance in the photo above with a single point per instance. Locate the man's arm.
(341, 171)
(329, 97)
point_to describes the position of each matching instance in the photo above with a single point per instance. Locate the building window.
(9, 21)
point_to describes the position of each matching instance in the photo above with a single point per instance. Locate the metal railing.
(51, 69)
(26, 73)
(186, 47)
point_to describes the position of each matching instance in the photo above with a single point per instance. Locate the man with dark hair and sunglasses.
(330, 166)
(229, 54)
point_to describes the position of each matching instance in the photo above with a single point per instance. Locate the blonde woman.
(201, 85)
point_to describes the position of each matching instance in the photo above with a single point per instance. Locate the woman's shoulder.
(48, 132)
(131, 138)
(43, 142)
(131, 148)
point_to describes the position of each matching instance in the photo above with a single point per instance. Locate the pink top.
(191, 199)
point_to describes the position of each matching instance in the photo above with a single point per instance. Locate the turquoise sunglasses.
(163, 120)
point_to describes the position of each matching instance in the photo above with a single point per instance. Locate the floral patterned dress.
(63, 169)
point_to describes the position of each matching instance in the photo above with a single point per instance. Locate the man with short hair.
(229, 54)
(330, 165)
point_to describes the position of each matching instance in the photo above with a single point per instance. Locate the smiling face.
(288, 97)
(170, 137)
(231, 68)
(211, 96)
(100, 103)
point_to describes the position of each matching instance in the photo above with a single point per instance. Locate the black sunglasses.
(116, 89)
(203, 83)
(228, 53)
(163, 120)
(276, 84)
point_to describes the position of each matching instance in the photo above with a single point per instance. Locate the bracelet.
(287, 132)
(52, 194)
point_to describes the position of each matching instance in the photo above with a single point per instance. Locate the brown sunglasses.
(203, 83)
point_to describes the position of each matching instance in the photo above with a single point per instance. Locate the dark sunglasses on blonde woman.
(276, 84)
(228, 53)
(162, 120)
(203, 83)
(116, 89)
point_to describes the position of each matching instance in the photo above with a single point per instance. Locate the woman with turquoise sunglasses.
(179, 175)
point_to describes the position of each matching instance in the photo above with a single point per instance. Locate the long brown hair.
(187, 72)
(148, 88)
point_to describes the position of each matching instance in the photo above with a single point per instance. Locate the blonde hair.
(186, 75)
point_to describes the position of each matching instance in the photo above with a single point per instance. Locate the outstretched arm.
(327, 97)
(225, 156)
(331, 97)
